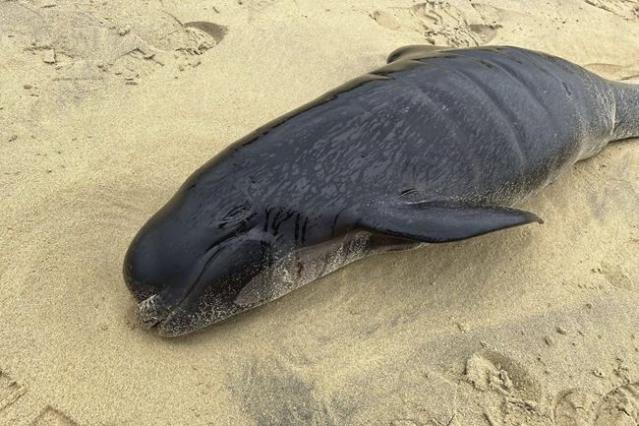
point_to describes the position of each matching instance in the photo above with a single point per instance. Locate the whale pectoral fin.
(414, 51)
(442, 222)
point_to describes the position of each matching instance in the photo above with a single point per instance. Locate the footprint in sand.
(616, 275)
(52, 417)
(207, 31)
(10, 391)
(619, 407)
(95, 44)
(518, 392)
(14, 409)
(626, 9)
(574, 407)
(440, 23)
(386, 20)
(493, 371)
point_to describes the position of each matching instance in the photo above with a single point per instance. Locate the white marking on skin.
(150, 311)
(308, 264)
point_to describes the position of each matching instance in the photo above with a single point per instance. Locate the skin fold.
(436, 146)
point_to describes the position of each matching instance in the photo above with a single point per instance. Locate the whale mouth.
(206, 295)
(152, 312)
(167, 321)
(173, 321)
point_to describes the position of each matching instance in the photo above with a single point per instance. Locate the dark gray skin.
(434, 147)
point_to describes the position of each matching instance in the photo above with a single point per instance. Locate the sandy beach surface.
(105, 109)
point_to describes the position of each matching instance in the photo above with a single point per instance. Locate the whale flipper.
(439, 222)
(413, 51)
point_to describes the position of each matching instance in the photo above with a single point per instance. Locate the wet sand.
(105, 109)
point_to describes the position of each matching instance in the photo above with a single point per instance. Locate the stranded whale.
(436, 146)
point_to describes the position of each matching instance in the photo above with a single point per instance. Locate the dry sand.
(106, 107)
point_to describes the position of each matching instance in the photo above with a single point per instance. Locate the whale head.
(189, 263)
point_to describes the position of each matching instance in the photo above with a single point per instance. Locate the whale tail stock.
(626, 124)
(627, 111)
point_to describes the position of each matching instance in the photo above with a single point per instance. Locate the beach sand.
(107, 107)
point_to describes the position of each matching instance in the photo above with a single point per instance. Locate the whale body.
(436, 146)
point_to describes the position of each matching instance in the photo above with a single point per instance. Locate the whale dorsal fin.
(439, 222)
(413, 51)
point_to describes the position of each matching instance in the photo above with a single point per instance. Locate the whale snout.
(151, 275)
(169, 321)
(180, 289)
(151, 264)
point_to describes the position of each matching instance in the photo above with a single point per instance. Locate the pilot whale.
(436, 146)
